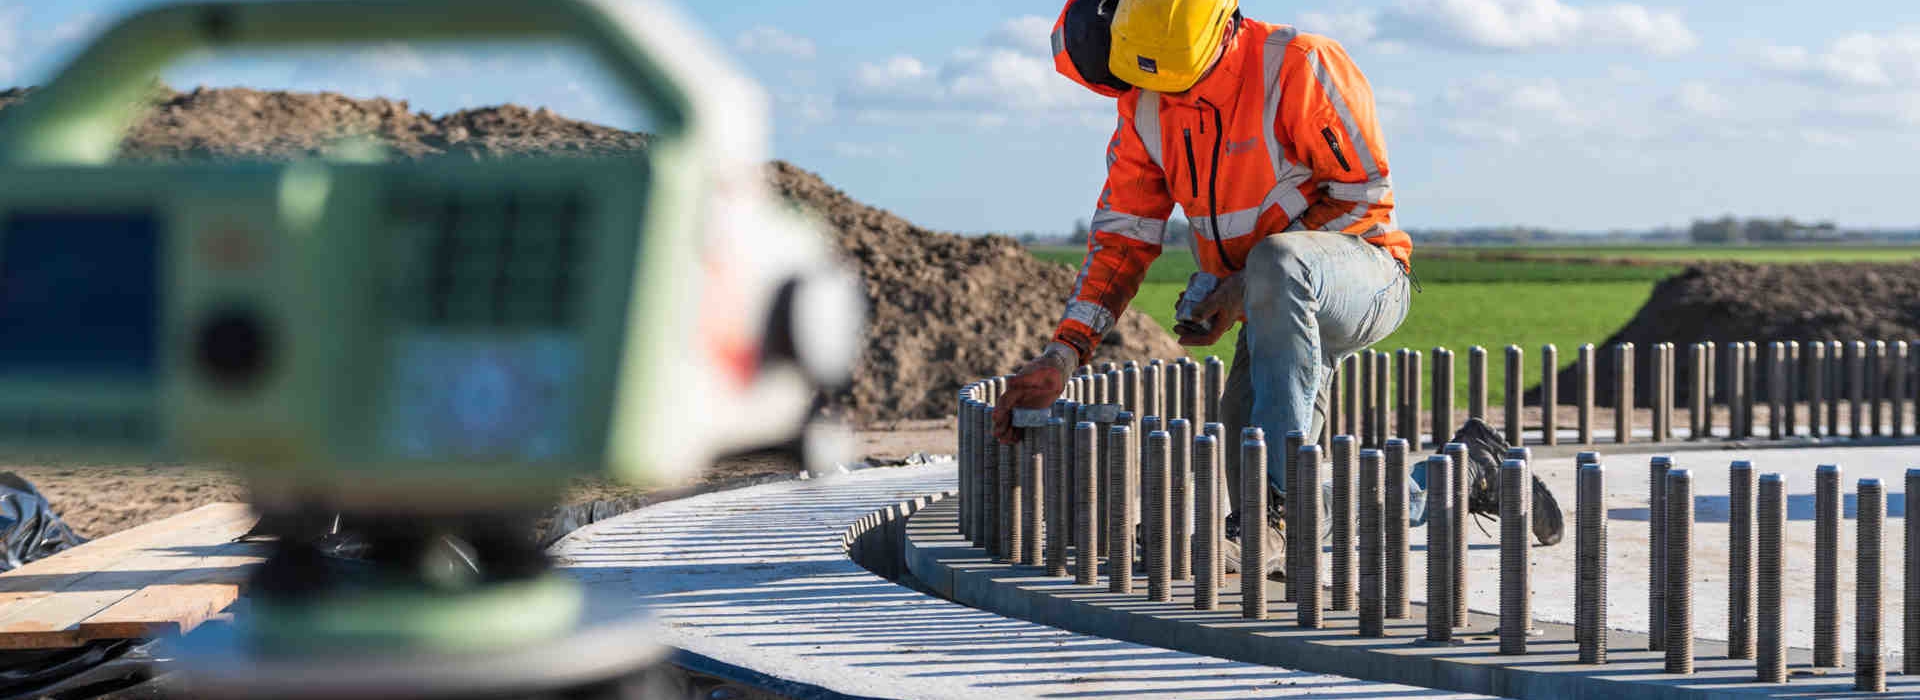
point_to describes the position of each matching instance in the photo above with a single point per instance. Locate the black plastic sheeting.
(80, 672)
(28, 523)
(1485, 450)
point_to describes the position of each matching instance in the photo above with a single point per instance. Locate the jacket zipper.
(1193, 170)
(1334, 143)
(1213, 189)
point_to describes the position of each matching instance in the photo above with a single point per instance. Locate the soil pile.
(1724, 302)
(945, 308)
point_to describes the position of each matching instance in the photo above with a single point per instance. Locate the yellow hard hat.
(1165, 45)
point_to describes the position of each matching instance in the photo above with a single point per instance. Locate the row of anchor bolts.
(1873, 381)
(1050, 482)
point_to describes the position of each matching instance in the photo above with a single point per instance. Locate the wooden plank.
(45, 601)
(182, 601)
(40, 579)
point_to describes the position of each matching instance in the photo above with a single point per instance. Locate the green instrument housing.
(421, 336)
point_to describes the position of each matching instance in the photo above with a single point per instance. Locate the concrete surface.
(945, 562)
(1627, 493)
(760, 578)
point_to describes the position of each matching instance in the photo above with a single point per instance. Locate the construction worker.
(1267, 139)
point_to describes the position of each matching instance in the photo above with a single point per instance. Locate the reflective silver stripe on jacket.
(1139, 228)
(1096, 317)
(1287, 175)
(1372, 192)
(1146, 124)
(1354, 136)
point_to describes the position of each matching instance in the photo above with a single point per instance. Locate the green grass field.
(1473, 298)
(1470, 299)
(1689, 253)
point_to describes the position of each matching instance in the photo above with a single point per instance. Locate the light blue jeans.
(1312, 299)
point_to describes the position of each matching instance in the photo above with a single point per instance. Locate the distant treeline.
(1724, 230)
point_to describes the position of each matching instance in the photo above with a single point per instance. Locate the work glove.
(1036, 385)
(1208, 308)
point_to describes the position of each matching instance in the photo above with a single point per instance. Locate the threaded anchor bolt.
(1826, 566)
(1086, 555)
(1439, 549)
(1342, 509)
(1910, 631)
(1442, 396)
(1679, 575)
(1308, 599)
(1869, 669)
(1122, 461)
(1590, 560)
(1211, 531)
(1216, 385)
(1623, 393)
(1771, 657)
(1372, 591)
(1740, 569)
(1253, 526)
(1549, 394)
(1180, 497)
(1659, 466)
(1058, 472)
(1477, 382)
(1005, 503)
(1857, 389)
(1290, 475)
(1394, 524)
(1382, 399)
(1583, 391)
(1158, 520)
(1350, 397)
(1516, 601)
(1456, 454)
(1516, 403)
(1413, 391)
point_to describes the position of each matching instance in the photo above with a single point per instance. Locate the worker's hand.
(1202, 323)
(1036, 385)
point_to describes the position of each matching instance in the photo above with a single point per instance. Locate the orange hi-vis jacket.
(1281, 136)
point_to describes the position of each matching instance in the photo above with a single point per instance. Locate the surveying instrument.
(427, 350)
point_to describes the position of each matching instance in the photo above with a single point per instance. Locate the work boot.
(1275, 561)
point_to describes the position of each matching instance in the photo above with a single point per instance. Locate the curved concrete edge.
(761, 580)
(947, 564)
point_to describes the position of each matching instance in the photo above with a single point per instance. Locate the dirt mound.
(230, 124)
(1725, 302)
(945, 308)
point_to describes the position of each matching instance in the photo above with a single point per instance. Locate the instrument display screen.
(79, 295)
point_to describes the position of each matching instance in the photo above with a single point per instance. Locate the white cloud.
(1009, 75)
(867, 150)
(768, 40)
(1352, 27)
(808, 108)
(1697, 99)
(1864, 59)
(1513, 25)
(1031, 34)
(1625, 74)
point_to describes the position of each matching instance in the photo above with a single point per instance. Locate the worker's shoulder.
(1308, 42)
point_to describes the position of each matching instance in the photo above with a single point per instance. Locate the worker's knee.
(1283, 256)
(1280, 267)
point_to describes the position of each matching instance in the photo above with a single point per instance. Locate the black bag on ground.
(28, 524)
(1485, 450)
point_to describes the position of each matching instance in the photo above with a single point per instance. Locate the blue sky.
(1557, 113)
